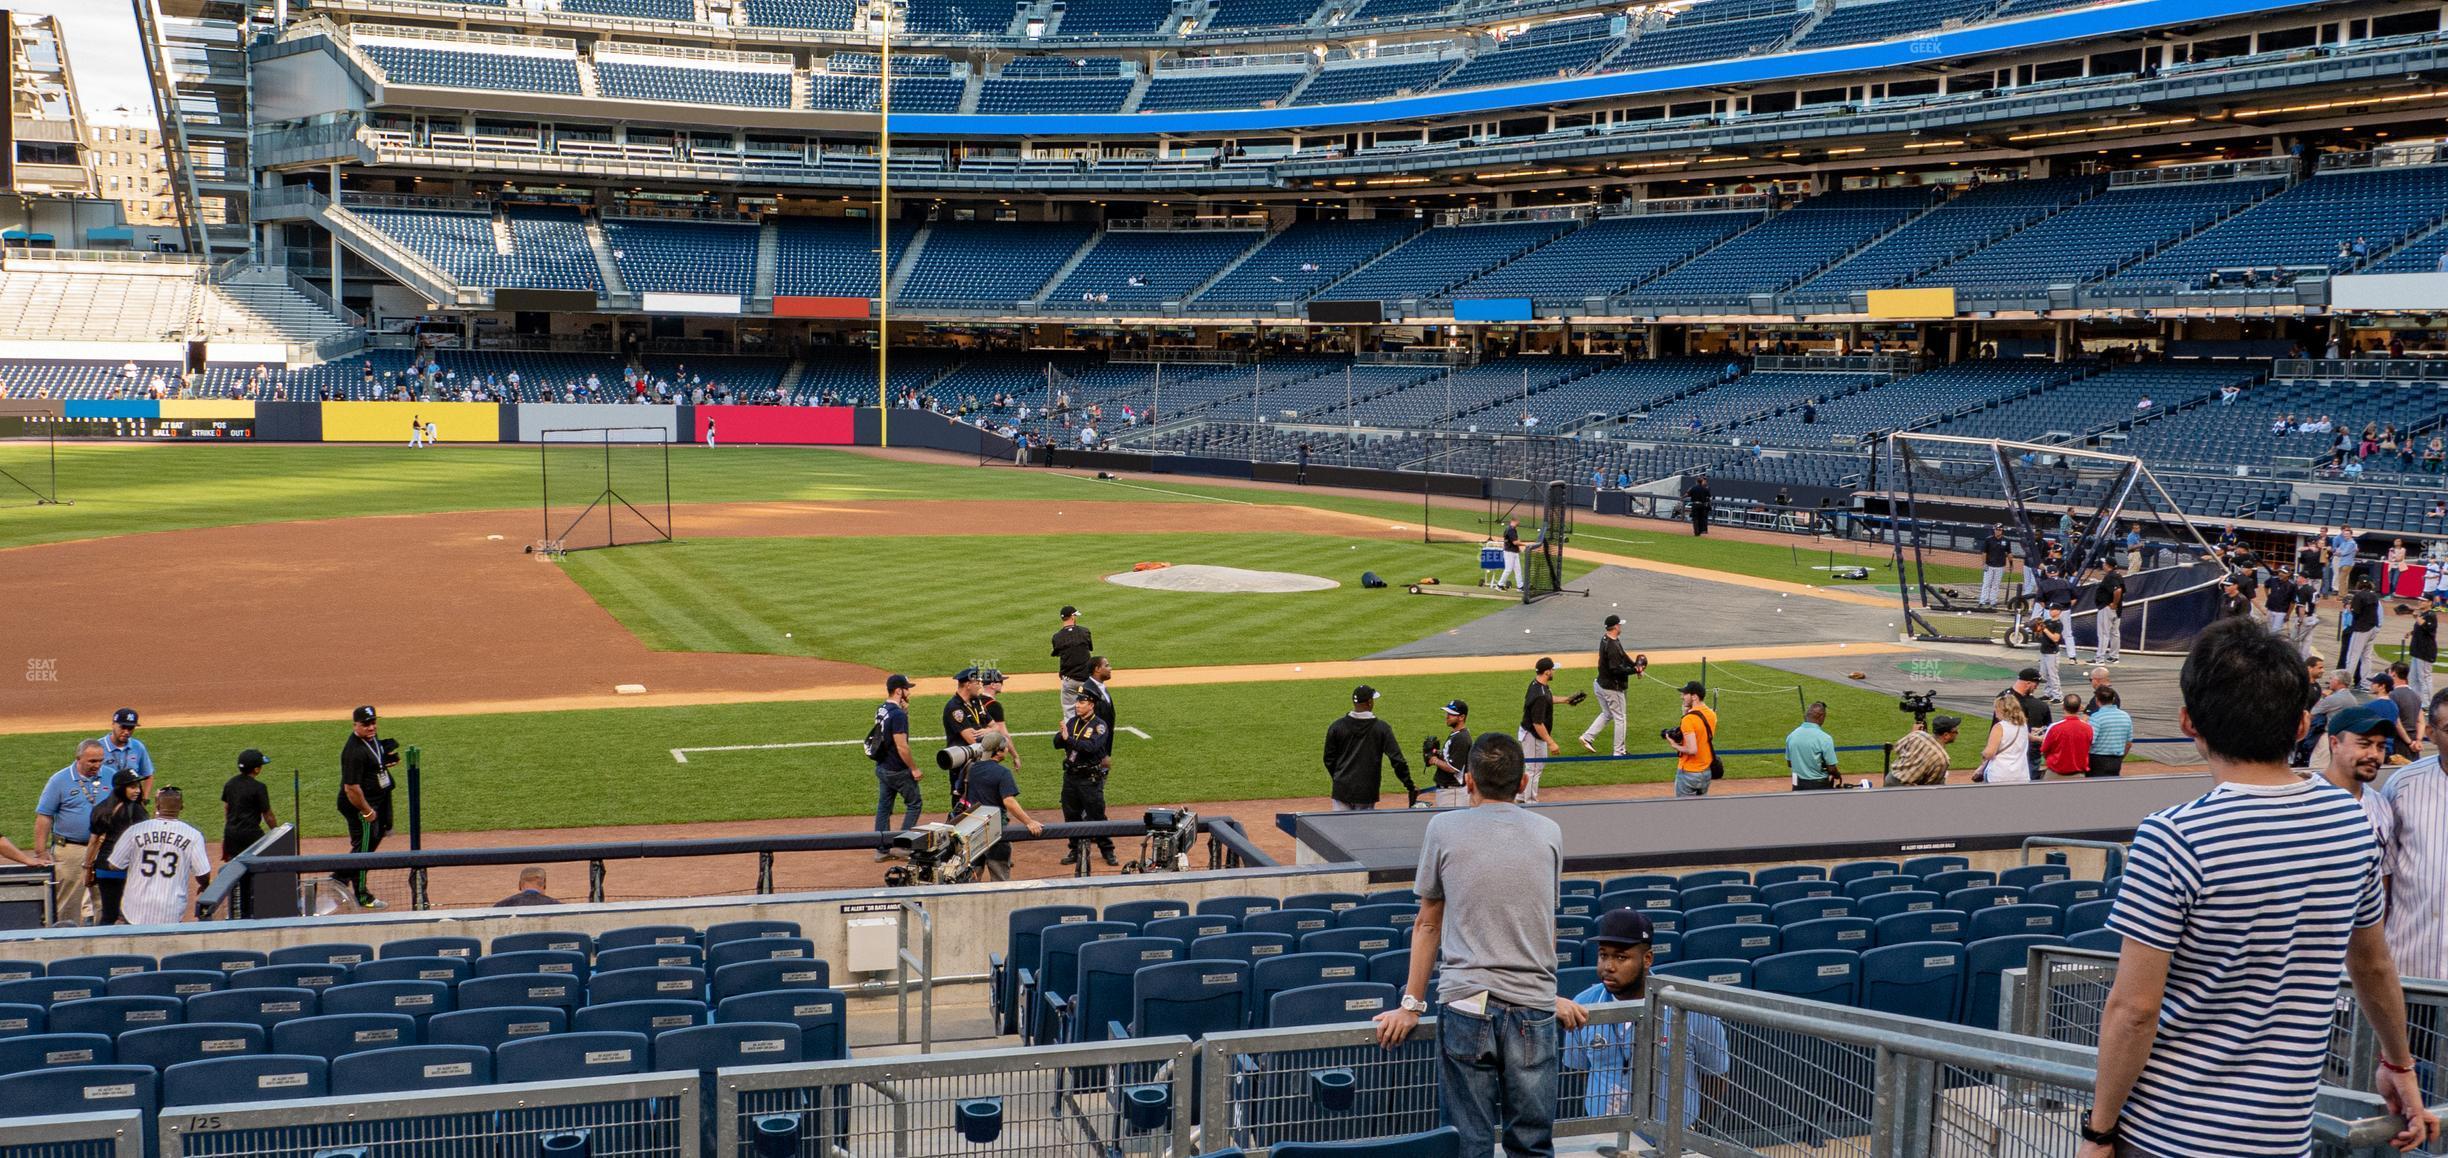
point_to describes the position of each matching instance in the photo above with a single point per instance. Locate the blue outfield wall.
(1818, 64)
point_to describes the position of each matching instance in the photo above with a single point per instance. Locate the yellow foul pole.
(884, 234)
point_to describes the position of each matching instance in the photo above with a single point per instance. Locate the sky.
(103, 57)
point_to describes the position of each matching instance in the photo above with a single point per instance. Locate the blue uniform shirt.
(69, 800)
(132, 757)
(1609, 1052)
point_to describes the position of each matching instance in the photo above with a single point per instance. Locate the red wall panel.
(792, 425)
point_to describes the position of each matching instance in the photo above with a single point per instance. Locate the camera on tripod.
(1920, 704)
(1171, 833)
(944, 854)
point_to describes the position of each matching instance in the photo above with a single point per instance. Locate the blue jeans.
(889, 784)
(1498, 1068)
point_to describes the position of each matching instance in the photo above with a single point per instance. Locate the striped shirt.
(2111, 730)
(2254, 891)
(2418, 868)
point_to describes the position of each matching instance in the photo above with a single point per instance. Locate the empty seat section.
(989, 265)
(474, 67)
(832, 14)
(1040, 84)
(1261, 13)
(1110, 17)
(2299, 232)
(1971, 219)
(1607, 257)
(854, 81)
(2093, 239)
(1303, 259)
(634, 9)
(1439, 259)
(1565, 48)
(1786, 248)
(1147, 268)
(1216, 88)
(1683, 41)
(1357, 83)
(709, 82)
(697, 257)
(1888, 19)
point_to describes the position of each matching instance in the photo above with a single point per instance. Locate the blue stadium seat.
(706, 1048)
(1022, 928)
(635, 935)
(2065, 893)
(1570, 982)
(2098, 940)
(544, 941)
(164, 1046)
(1922, 979)
(1973, 900)
(1692, 880)
(1984, 962)
(521, 989)
(409, 1069)
(112, 1016)
(1568, 952)
(179, 983)
(1191, 998)
(223, 960)
(326, 953)
(1141, 912)
(1784, 892)
(1923, 925)
(1926, 866)
(20, 970)
(1391, 968)
(1950, 880)
(1191, 928)
(1786, 874)
(1664, 947)
(1328, 901)
(768, 975)
(558, 962)
(1573, 905)
(1567, 926)
(49, 991)
(1236, 906)
(1339, 1003)
(1863, 888)
(1106, 972)
(335, 1035)
(2087, 916)
(1291, 922)
(1646, 898)
(258, 1077)
(2025, 876)
(1812, 909)
(748, 949)
(1366, 942)
(53, 1051)
(1056, 970)
(1718, 893)
(1250, 947)
(415, 999)
(19, 1020)
(290, 976)
(91, 1089)
(1852, 934)
(747, 930)
(449, 971)
(649, 956)
(1734, 942)
(1377, 917)
(820, 1014)
(432, 947)
(1410, 898)
(649, 983)
(1889, 904)
(1272, 975)
(487, 1028)
(1697, 919)
(1664, 920)
(1830, 975)
(1845, 874)
(2009, 920)
(1716, 970)
(568, 1057)
(1638, 881)
(104, 965)
(648, 1017)
(264, 1007)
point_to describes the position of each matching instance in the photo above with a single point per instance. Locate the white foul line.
(680, 755)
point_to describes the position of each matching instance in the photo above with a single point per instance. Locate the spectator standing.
(2392, 564)
(2006, 758)
(63, 816)
(895, 769)
(1609, 1053)
(2418, 861)
(1695, 743)
(246, 808)
(162, 864)
(1810, 753)
(2358, 750)
(2065, 749)
(2111, 734)
(2215, 1035)
(1921, 757)
(124, 810)
(1537, 732)
(2133, 538)
(530, 892)
(1074, 656)
(123, 752)
(2342, 550)
(1357, 746)
(1486, 928)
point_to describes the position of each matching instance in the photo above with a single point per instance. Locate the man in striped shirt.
(2241, 911)
(2418, 860)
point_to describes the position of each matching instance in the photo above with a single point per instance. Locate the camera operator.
(1087, 746)
(1449, 760)
(1695, 743)
(1921, 757)
(989, 784)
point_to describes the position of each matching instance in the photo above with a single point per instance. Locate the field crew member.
(365, 795)
(63, 816)
(1615, 671)
(1449, 760)
(1357, 746)
(166, 865)
(1087, 745)
(246, 808)
(1074, 655)
(123, 752)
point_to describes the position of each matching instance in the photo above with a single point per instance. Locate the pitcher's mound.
(1221, 580)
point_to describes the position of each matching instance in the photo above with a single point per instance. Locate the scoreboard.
(160, 429)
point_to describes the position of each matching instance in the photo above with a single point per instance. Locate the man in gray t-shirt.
(1487, 886)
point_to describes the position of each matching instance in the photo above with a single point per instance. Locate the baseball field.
(249, 596)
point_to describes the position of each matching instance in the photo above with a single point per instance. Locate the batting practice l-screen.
(605, 486)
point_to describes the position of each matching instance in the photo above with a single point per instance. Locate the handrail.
(924, 962)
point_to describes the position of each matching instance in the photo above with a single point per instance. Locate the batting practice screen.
(605, 486)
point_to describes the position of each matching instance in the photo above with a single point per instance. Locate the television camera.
(1171, 833)
(944, 854)
(1920, 704)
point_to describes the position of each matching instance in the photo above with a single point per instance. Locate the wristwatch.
(1412, 1004)
(2107, 1137)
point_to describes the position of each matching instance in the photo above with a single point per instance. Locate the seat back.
(1572, 981)
(1830, 975)
(1812, 909)
(820, 1014)
(1328, 901)
(1337, 1004)
(1914, 978)
(558, 962)
(1304, 969)
(1364, 941)
(649, 983)
(1978, 897)
(1704, 877)
(12, 970)
(1141, 912)
(414, 999)
(1984, 963)
(1786, 874)
(409, 1068)
(545, 941)
(1714, 970)
(1571, 887)
(1637, 881)
(2098, 940)
(324, 953)
(164, 1046)
(1643, 899)
(2087, 916)
(1786, 892)
(1391, 968)
(1923, 866)
(1244, 946)
(1889, 904)
(759, 949)
(178, 983)
(1373, 916)
(1442, 1142)
(221, 960)
(1845, 874)
(1863, 888)
(647, 1017)
(50, 991)
(1192, 927)
(634, 935)
(729, 931)
(258, 1077)
(466, 947)
(333, 1035)
(448, 971)
(263, 1008)
(1191, 998)
(1235, 906)
(1573, 927)
(112, 1016)
(1292, 922)
(706, 1048)
(91, 1089)
(1740, 914)
(1851, 934)
(1739, 942)
(41, 1051)
(1570, 905)
(1106, 972)
(1923, 925)
(521, 989)
(1057, 965)
(1950, 880)
(2065, 893)
(19, 1019)
(1664, 947)
(1410, 898)
(103, 965)
(489, 1027)
(649, 956)
(2008, 920)
(1664, 920)
(2025, 876)
(768, 975)
(565, 1057)
(1718, 893)
(292, 975)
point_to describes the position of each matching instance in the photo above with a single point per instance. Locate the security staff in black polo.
(964, 720)
(1086, 743)
(1100, 675)
(365, 795)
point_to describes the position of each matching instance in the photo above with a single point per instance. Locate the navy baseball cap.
(1456, 708)
(251, 759)
(1613, 620)
(1623, 927)
(363, 715)
(124, 718)
(896, 681)
(1545, 663)
(1364, 694)
(2358, 720)
(1694, 688)
(1068, 611)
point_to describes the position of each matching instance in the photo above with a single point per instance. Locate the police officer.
(1698, 502)
(365, 795)
(1087, 745)
(964, 718)
(1615, 672)
(1448, 760)
(123, 752)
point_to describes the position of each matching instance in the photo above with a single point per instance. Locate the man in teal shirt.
(1810, 753)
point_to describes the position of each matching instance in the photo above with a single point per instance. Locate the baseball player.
(1512, 555)
(1449, 760)
(1615, 672)
(1537, 719)
(1075, 656)
(165, 862)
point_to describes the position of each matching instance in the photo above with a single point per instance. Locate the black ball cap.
(124, 718)
(895, 682)
(251, 759)
(1623, 927)
(1068, 611)
(1614, 620)
(1364, 694)
(363, 715)
(2029, 675)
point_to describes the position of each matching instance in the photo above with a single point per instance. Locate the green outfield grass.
(933, 605)
(1219, 742)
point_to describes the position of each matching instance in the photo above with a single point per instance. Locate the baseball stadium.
(1326, 578)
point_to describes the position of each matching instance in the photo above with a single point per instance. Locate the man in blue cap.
(2358, 751)
(1609, 1054)
(123, 752)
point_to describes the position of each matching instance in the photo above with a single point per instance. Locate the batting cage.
(2066, 514)
(605, 486)
(29, 462)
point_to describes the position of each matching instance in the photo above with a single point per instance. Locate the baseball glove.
(1574, 700)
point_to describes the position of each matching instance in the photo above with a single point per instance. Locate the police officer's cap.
(1456, 708)
(363, 715)
(966, 675)
(124, 718)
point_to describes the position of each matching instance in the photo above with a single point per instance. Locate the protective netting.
(605, 486)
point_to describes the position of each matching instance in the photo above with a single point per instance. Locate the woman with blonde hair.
(2006, 758)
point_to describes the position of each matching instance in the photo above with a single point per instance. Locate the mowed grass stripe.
(636, 585)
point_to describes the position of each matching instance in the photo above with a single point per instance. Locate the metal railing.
(314, 293)
(2365, 369)
(1095, 1097)
(649, 1116)
(118, 1134)
(920, 963)
(2207, 171)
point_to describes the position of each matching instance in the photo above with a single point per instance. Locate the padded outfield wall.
(499, 423)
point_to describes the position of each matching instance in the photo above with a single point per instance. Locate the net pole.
(668, 534)
(611, 533)
(544, 473)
